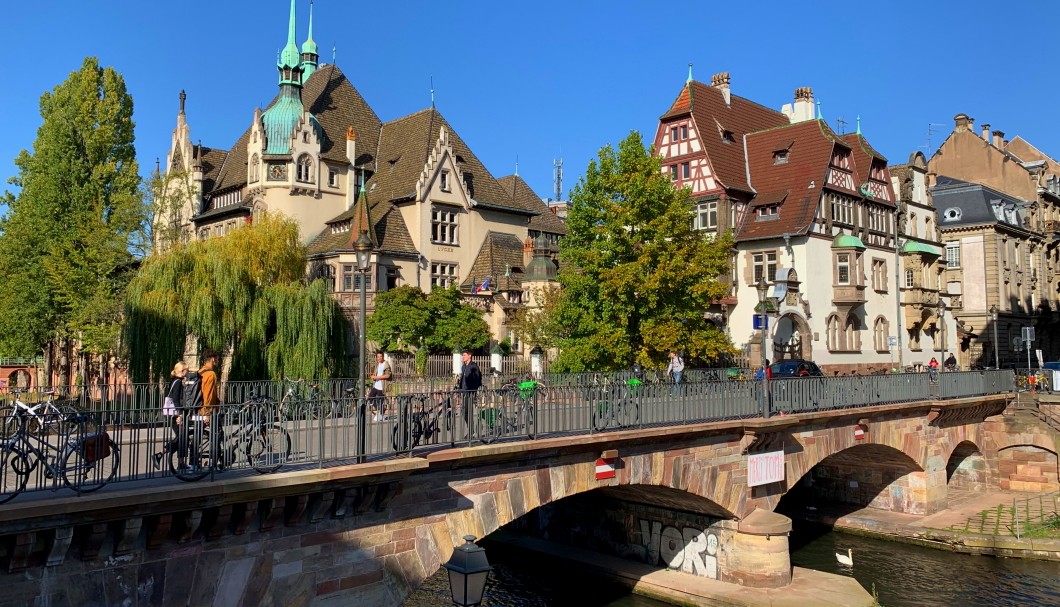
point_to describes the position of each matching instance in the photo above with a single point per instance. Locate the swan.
(845, 559)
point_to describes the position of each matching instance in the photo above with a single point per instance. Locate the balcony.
(848, 295)
(917, 296)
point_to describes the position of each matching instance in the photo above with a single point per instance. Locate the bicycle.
(261, 441)
(45, 414)
(494, 422)
(416, 424)
(85, 460)
(314, 405)
(621, 409)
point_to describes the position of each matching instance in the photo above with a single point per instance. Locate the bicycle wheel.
(603, 413)
(9, 421)
(629, 413)
(14, 472)
(270, 449)
(85, 472)
(196, 467)
(490, 425)
(530, 421)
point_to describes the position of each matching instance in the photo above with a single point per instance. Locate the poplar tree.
(65, 239)
(637, 279)
(245, 294)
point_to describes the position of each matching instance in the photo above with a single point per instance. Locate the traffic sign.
(859, 432)
(761, 321)
(1028, 334)
(604, 469)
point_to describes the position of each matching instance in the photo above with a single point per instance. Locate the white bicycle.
(45, 415)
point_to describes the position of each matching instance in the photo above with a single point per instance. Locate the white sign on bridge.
(765, 468)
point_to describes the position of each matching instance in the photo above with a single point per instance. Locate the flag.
(482, 287)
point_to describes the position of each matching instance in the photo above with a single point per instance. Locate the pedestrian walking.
(676, 369)
(172, 412)
(381, 380)
(467, 384)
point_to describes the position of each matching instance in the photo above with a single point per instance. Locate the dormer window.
(951, 214)
(780, 157)
(444, 181)
(769, 211)
(726, 136)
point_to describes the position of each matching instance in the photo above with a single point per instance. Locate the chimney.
(803, 109)
(961, 122)
(351, 145)
(720, 81)
(986, 133)
(999, 139)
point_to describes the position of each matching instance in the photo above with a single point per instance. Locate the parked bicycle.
(513, 415)
(84, 456)
(620, 406)
(308, 403)
(418, 423)
(45, 415)
(258, 439)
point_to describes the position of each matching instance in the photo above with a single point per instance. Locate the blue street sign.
(761, 321)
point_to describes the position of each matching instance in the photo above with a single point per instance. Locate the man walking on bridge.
(467, 383)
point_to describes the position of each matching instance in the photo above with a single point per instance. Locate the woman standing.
(171, 409)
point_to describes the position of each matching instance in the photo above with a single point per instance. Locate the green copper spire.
(818, 109)
(290, 62)
(859, 124)
(310, 56)
(689, 74)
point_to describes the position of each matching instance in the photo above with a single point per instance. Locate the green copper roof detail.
(290, 60)
(280, 120)
(309, 50)
(912, 246)
(846, 241)
(541, 266)
(310, 46)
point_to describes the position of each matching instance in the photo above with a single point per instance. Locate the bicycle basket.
(96, 447)
(527, 388)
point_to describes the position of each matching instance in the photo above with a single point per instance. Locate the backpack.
(191, 397)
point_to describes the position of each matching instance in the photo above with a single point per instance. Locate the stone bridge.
(370, 533)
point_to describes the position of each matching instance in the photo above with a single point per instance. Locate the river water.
(903, 575)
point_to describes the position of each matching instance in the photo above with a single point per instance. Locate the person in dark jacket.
(467, 384)
(171, 410)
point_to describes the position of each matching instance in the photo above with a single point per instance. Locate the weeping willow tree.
(246, 294)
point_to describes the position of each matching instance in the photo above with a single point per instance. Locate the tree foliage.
(244, 293)
(65, 241)
(538, 325)
(407, 319)
(638, 278)
(166, 198)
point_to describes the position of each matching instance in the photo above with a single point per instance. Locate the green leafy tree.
(538, 325)
(65, 241)
(638, 278)
(244, 293)
(167, 200)
(406, 319)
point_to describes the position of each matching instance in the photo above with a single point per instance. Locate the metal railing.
(329, 423)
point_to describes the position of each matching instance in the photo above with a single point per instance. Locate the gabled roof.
(960, 203)
(336, 105)
(500, 254)
(707, 106)
(546, 220)
(864, 154)
(211, 160)
(797, 182)
(389, 231)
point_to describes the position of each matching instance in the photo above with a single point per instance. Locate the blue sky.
(543, 80)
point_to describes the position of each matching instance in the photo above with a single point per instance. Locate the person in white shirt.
(381, 379)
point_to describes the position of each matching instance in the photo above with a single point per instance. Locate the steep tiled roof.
(546, 220)
(405, 146)
(500, 254)
(389, 231)
(797, 182)
(212, 160)
(863, 156)
(740, 117)
(336, 104)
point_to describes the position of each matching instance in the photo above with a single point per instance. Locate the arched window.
(909, 283)
(305, 168)
(834, 335)
(255, 166)
(880, 334)
(851, 335)
(912, 225)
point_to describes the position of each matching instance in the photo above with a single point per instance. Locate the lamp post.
(940, 307)
(468, 573)
(993, 317)
(763, 288)
(363, 247)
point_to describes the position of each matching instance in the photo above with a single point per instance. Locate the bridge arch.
(966, 468)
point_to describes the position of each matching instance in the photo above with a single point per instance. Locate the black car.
(795, 368)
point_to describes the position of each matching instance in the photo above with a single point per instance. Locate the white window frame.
(445, 226)
(953, 254)
(443, 275)
(333, 177)
(764, 263)
(706, 216)
(909, 284)
(842, 261)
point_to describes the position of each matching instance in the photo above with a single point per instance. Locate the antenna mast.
(557, 176)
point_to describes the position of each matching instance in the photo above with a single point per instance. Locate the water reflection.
(523, 580)
(911, 576)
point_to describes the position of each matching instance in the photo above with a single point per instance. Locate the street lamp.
(363, 247)
(940, 307)
(468, 573)
(763, 290)
(993, 317)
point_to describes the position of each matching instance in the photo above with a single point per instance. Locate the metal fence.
(328, 423)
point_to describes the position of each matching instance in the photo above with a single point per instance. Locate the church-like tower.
(310, 57)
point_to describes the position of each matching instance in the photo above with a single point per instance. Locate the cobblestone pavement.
(996, 513)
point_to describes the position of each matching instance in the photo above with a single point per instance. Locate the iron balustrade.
(322, 428)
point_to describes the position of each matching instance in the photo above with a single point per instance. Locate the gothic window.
(909, 284)
(444, 226)
(255, 167)
(912, 225)
(880, 334)
(851, 338)
(879, 275)
(834, 334)
(305, 168)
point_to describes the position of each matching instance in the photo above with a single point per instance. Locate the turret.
(290, 63)
(310, 57)
(280, 120)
